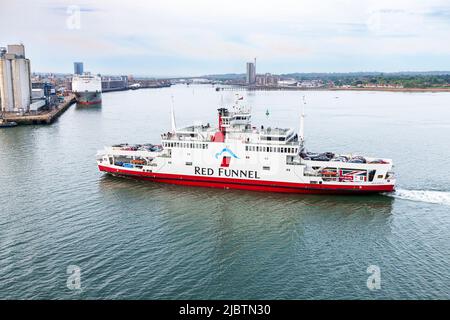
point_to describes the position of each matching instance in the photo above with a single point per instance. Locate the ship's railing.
(183, 138)
(273, 142)
(199, 138)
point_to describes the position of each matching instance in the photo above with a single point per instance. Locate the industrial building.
(251, 73)
(43, 95)
(114, 83)
(15, 79)
(267, 80)
(78, 68)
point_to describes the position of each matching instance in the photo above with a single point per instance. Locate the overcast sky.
(174, 38)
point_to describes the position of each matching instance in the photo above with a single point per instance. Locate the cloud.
(208, 35)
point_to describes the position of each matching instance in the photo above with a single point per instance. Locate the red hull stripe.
(89, 102)
(257, 185)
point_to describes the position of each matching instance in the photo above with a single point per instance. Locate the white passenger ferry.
(238, 155)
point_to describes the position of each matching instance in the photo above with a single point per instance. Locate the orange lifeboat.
(137, 161)
(329, 173)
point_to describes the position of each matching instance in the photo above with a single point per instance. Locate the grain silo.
(15, 79)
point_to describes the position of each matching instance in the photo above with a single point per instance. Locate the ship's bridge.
(234, 125)
(238, 119)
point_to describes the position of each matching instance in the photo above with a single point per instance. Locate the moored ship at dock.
(238, 155)
(87, 88)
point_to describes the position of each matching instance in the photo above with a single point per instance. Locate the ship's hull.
(88, 98)
(253, 185)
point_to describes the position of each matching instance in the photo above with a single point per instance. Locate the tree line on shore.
(431, 79)
(408, 80)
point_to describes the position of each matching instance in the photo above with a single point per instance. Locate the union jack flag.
(354, 175)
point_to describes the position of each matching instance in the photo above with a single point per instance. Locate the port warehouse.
(114, 83)
(18, 94)
(21, 100)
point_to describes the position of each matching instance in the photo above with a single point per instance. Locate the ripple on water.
(141, 240)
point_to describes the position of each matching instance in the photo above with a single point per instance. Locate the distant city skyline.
(178, 38)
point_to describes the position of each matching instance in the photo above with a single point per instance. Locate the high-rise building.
(15, 79)
(78, 68)
(251, 73)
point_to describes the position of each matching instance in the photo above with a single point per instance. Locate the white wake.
(439, 197)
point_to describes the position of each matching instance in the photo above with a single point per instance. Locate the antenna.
(302, 123)
(172, 116)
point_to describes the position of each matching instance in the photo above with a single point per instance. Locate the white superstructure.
(86, 82)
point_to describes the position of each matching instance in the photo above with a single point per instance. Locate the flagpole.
(302, 124)
(172, 117)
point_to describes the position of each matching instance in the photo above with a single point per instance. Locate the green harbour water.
(143, 240)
